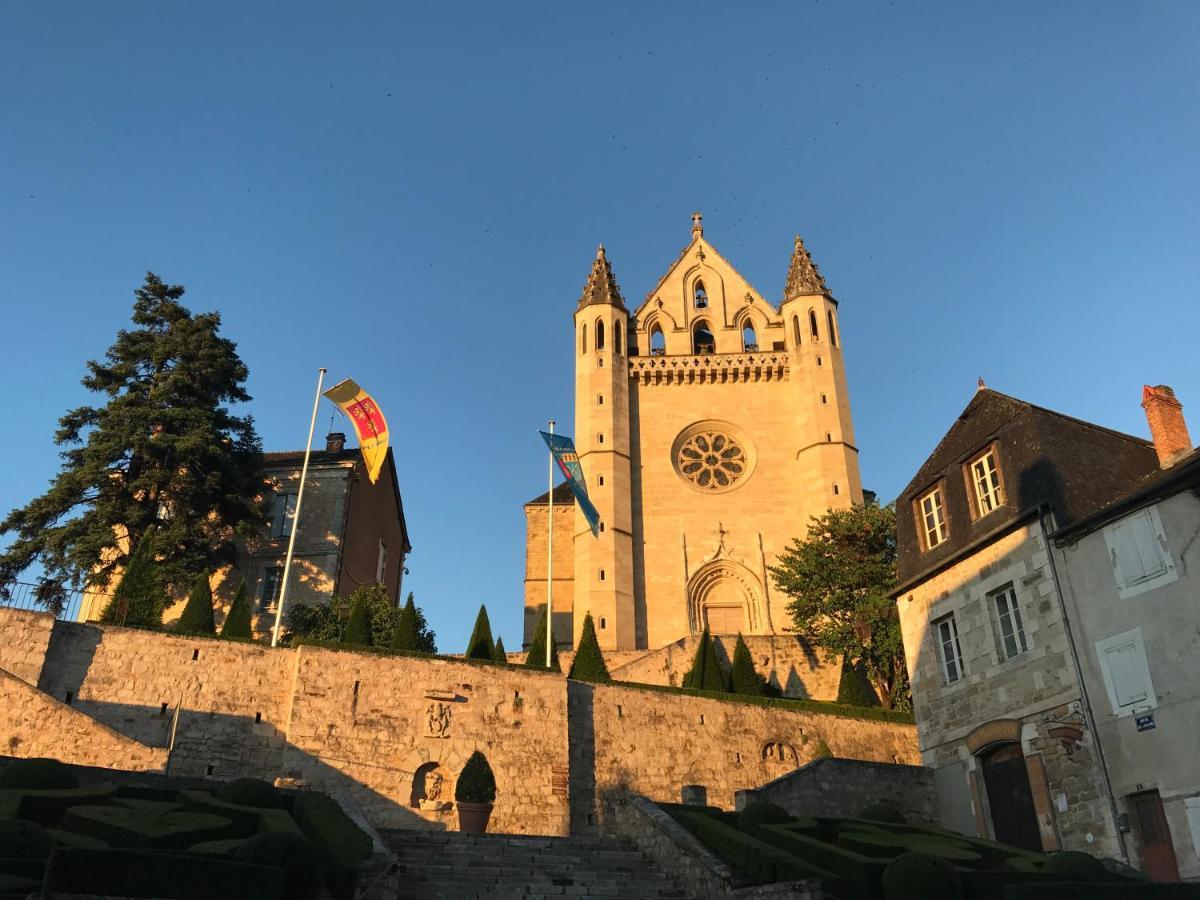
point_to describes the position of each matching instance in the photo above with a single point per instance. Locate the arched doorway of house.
(1010, 800)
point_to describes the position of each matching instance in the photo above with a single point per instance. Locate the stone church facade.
(711, 424)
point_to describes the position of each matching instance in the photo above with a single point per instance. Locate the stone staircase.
(449, 865)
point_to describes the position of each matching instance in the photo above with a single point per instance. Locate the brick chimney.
(335, 442)
(1167, 428)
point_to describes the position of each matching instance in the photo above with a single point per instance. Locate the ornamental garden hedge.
(244, 839)
(878, 856)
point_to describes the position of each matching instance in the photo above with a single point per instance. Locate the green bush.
(299, 859)
(761, 812)
(861, 874)
(499, 653)
(822, 751)
(481, 646)
(249, 792)
(148, 873)
(882, 812)
(588, 664)
(130, 828)
(476, 783)
(1080, 866)
(197, 616)
(706, 673)
(140, 595)
(27, 868)
(535, 658)
(756, 861)
(38, 774)
(854, 689)
(277, 820)
(24, 840)
(358, 624)
(238, 621)
(343, 844)
(919, 876)
(743, 677)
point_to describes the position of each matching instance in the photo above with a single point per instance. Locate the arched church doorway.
(725, 619)
(1010, 800)
(724, 597)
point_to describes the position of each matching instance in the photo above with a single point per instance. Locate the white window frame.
(937, 513)
(1006, 609)
(1136, 667)
(269, 603)
(985, 480)
(950, 639)
(283, 514)
(1137, 549)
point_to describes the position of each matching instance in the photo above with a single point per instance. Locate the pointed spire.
(601, 287)
(802, 276)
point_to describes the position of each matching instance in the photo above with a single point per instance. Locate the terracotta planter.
(473, 817)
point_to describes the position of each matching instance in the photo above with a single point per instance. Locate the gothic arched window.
(618, 342)
(658, 345)
(749, 340)
(812, 325)
(599, 335)
(796, 328)
(832, 330)
(583, 338)
(702, 338)
(699, 295)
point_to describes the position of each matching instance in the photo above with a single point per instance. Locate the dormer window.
(699, 295)
(932, 517)
(985, 480)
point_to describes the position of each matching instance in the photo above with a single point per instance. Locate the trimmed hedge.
(73, 839)
(882, 812)
(761, 812)
(919, 876)
(38, 774)
(756, 861)
(476, 782)
(128, 828)
(148, 873)
(1126, 890)
(296, 856)
(342, 843)
(245, 819)
(48, 807)
(25, 840)
(249, 792)
(1080, 866)
(861, 874)
(223, 848)
(990, 884)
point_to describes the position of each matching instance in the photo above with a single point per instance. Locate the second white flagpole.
(550, 561)
(287, 565)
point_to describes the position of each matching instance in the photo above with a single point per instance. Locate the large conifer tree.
(238, 621)
(535, 657)
(481, 646)
(197, 616)
(163, 449)
(588, 664)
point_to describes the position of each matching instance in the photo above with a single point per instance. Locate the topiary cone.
(197, 617)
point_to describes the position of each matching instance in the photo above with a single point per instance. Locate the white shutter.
(1125, 669)
(1141, 535)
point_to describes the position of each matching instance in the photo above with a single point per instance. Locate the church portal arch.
(725, 597)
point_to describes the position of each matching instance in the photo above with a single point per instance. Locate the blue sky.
(411, 195)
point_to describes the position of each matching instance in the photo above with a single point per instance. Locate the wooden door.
(1158, 853)
(1014, 820)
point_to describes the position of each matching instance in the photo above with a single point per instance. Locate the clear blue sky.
(412, 195)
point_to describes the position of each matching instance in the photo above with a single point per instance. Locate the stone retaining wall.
(26, 636)
(842, 787)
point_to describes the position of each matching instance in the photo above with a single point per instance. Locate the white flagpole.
(550, 561)
(287, 565)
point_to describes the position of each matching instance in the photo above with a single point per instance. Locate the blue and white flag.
(563, 450)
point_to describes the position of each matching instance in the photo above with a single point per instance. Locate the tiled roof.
(803, 276)
(601, 287)
(296, 457)
(562, 495)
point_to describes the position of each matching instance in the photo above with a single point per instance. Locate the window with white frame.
(381, 563)
(945, 635)
(1126, 672)
(272, 584)
(933, 518)
(283, 515)
(1138, 550)
(985, 479)
(1010, 628)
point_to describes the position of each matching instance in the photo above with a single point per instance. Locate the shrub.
(71, 839)
(238, 623)
(129, 828)
(24, 840)
(882, 812)
(706, 673)
(223, 848)
(343, 844)
(588, 664)
(299, 859)
(822, 750)
(919, 876)
(145, 873)
(249, 792)
(197, 616)
(862, 874)
(756, 860)
(404, 635)
(480, 645)
(38, 774)
(743, 677)
(536, 657)
(140, 595)
(476, 783)
(871, 843)
(853, 688)
(358, 624)
(500, 654)
(761, 812)
(1080, 866)
(245, 819)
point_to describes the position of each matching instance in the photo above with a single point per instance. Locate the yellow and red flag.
(368, 421)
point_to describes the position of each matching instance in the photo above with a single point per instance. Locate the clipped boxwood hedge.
(1107, 890)
(38, 774)
(48, 807)
(860, 874)
(343, 844)
(129, 828)
(149, 873)
(756, 861)
(985, 884)
(245, 819)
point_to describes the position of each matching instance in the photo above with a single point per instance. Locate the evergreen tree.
(706, 673)
(404, 635)
(197, 616)
(535, 658)
(588, 664)
(358, 623)
(501, 656)
(854, 689)
(238, 623)
(480, 646)
(140, 596)
(744, 678)
(163, 451)
(426, 638)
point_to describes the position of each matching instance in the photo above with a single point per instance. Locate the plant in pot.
(475, 791)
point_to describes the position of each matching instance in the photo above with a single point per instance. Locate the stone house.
(1003, 715)
(1130, 578)
(351, 533)
(711, 423)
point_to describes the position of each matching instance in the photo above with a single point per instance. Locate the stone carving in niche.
(779, 757)
(437, 716)
(431, 788)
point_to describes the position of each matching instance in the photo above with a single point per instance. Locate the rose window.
(711, 460)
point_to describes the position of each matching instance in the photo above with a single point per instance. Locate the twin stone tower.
(711, 425)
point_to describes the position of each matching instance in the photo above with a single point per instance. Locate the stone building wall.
(25, 639)
(843, 787)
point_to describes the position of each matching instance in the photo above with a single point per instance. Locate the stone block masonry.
(393, 732)
(843, 787)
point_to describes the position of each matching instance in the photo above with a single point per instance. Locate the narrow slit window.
(599, 335)
(832, 331)
(583, 338)
(796, 329)
(749, 339)
(658, 346)
(812, 325)
(618, 343)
